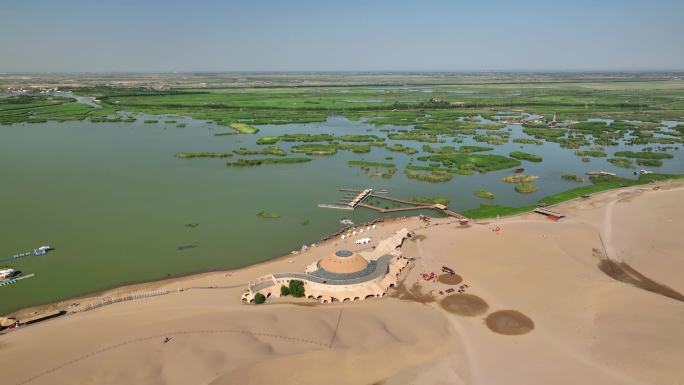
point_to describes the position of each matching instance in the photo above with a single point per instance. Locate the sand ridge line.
(160, 336)
(339, 318)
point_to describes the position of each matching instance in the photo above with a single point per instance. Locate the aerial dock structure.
(354, 198)
(35, 252)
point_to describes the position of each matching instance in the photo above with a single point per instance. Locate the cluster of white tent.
(360, 231)
(363, 241)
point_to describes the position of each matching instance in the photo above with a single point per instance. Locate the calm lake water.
(113, 200)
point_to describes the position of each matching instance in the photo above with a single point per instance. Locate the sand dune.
(539, 309)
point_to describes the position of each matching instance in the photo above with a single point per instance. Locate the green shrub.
(284, 291)
(296, 288)
(259, 299)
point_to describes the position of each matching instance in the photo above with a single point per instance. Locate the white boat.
(42, 250)
(347, 222)
(642, 172)
(6, 274)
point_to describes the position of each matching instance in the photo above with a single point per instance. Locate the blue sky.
(370, 35)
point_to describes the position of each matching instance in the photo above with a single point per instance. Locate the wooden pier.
(394, 210)
(338, 207)
(360, 197)
(355, 198)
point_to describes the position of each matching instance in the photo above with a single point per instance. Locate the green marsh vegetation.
(305, 138)
(484, 194)
(536, 142)
(595, 153)
(645, 158)
(649, 162)
(270, 150)
(262, 161)
(621, 162)
(643, 155)
(315, 149)
(453, 150)
(472, 162)
(572, 177)
(244, 128)
(525, 188)
(525, 156)
(437, 167)
(191, 155)
(398, 147)
(382, 169)
(431, 200)
(519, 178)
(434, 176)
(268, 214)
(41, 109)
(471, 149)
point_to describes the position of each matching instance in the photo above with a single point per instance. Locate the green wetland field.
(134, 184)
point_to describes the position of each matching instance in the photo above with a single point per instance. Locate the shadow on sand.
(509, 322)
(623, 272)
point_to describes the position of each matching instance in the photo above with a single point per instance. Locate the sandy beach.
(593, 298)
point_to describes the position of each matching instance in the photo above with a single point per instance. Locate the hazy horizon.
(78, 36)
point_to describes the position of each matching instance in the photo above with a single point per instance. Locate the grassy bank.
(599, 183)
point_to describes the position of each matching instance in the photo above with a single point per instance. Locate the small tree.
(259, 299)
(284, 291)
(296, 288)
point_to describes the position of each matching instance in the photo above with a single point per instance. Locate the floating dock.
(15, 280)
(35, 252)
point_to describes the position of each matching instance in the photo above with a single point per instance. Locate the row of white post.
(129, 297)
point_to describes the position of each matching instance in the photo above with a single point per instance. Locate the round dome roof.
(343, 262)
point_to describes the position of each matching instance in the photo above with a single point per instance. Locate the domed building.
(340, 265)
(343, 275)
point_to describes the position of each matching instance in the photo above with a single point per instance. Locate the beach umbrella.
(343, 236)
(374, 226)
(368, 228)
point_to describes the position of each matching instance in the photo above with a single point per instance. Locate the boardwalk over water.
(356, 198)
